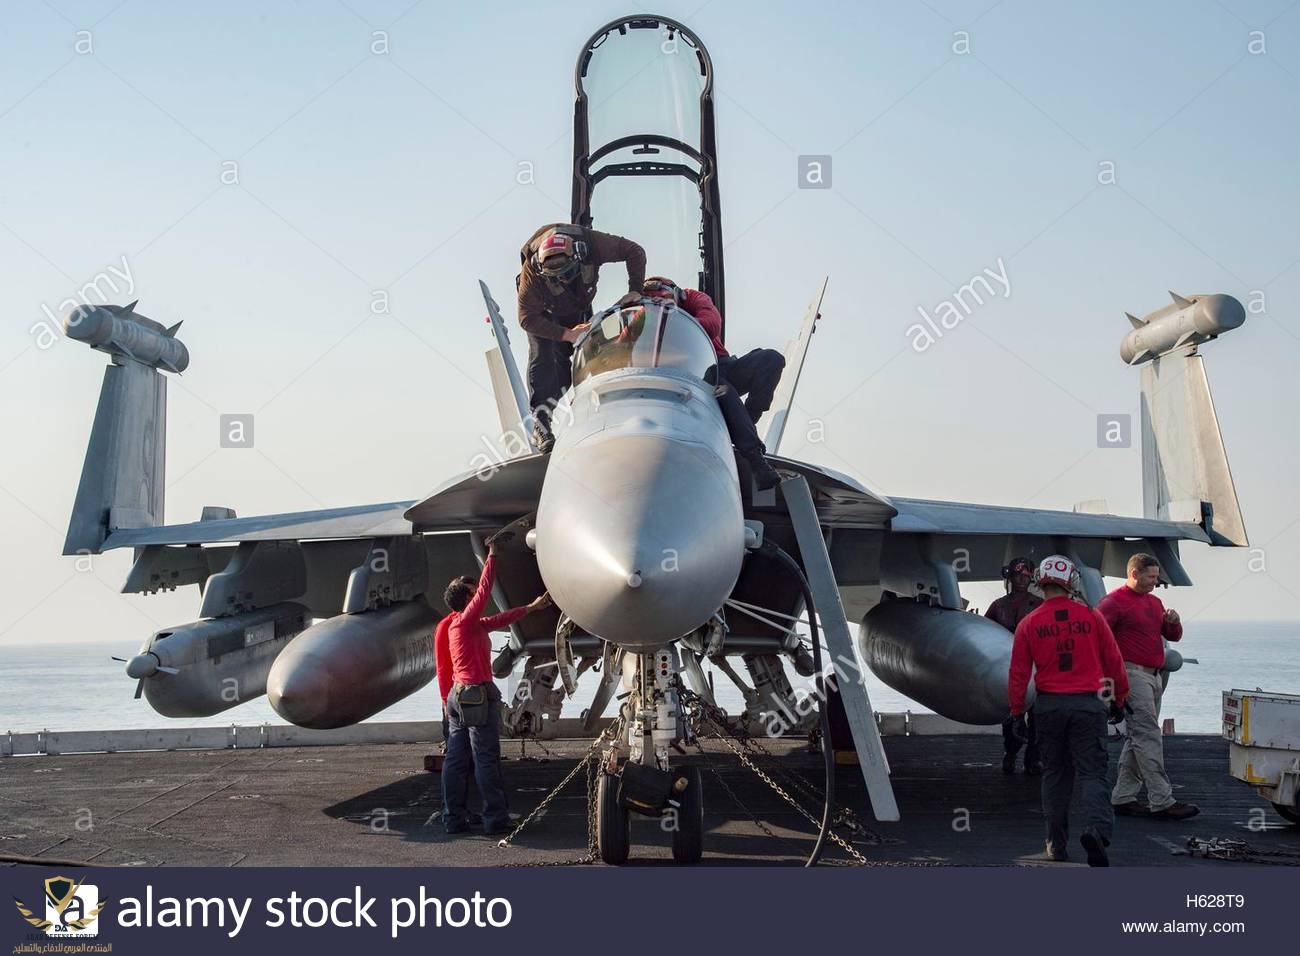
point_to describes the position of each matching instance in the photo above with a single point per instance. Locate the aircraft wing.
(360, 521)
(912, 546)
(919, 516)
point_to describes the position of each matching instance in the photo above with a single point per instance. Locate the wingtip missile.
(119, 330)
(1185, 324)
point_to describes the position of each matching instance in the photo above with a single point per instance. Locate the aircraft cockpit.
(649, 335)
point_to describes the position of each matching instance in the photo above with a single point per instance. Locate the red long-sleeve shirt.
(442, 658)
(468, 634)
(1138, 621)
(700, 305)
(1070, 649)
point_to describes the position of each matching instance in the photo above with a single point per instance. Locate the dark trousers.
(550, 370)
(481, 747)
(1011, 744)
(740, 427)
(1072, 740)
(757, 374)
(754, 375)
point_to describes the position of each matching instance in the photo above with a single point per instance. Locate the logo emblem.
(71, 907)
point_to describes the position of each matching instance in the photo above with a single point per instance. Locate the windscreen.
(644, 336)
(643, 86)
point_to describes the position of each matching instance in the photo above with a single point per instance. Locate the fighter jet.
(642, 523)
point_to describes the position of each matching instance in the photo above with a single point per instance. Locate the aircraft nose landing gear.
(645, 783)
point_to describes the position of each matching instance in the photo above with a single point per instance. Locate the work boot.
(1094, 844)
(500, 829)
(1177, 811)
(1130, 809)
(1008, 763)
(543, 437)
(765, 476)
(1056, 853)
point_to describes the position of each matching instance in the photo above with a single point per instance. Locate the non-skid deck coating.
(376, 806)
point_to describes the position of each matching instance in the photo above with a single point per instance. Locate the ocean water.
(79, 686)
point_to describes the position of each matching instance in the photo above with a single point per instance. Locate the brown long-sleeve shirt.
(548, 315)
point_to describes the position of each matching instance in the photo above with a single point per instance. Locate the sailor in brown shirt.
(1009, 610)
(559, 268)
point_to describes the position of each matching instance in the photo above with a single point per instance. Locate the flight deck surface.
(375, 805)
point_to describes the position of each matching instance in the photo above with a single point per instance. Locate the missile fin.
(1185, 338)
(1135, 321)
(129, 308)
(1140, 357)
(171, 332)
(1181, 301)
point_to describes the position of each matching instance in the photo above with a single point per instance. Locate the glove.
(1117, 714)
(498, 539)
(1019, 727)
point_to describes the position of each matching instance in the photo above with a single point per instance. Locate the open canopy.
(645, 158)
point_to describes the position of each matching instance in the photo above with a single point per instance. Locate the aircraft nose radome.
(298, 688)
(640, 539)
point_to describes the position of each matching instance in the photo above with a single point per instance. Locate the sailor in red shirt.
(1142, 625)
(1076, 666)
(754, 375)
(442, 659)
(473, 704)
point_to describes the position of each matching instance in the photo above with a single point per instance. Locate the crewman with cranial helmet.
(1079, 674)
(1009, 610)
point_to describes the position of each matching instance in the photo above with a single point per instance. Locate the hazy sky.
(379, 148)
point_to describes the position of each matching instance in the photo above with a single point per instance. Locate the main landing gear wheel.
(1287, 813)
(613, 828)
(688, 836)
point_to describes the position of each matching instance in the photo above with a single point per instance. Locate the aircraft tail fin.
(795, 353)
(1185, 471)
(122, 480)
(507, 384)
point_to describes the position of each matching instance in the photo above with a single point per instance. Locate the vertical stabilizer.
(507, 384)
(122, 480)
(795, 353)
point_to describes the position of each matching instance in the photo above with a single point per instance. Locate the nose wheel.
(645, 783)
(683, 815)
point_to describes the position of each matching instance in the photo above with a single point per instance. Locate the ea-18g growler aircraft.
(642, 523)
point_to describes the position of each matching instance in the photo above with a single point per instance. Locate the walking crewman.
(1076, 665)
(1142, 625)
